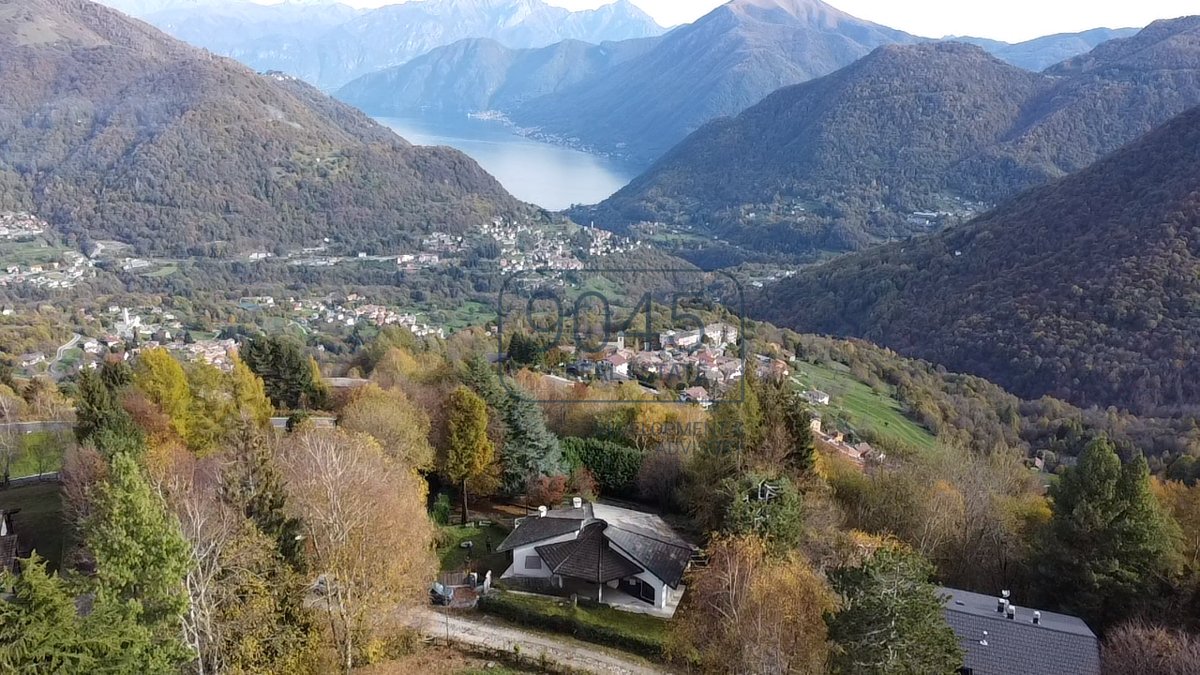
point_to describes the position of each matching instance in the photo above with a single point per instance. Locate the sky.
(1009, 20)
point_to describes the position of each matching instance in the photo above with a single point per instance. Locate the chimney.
(1012, 612)
(541, 512)
(577, 502)
(1037, 618)
(1002, 602)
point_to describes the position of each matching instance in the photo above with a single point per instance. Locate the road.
(562, 650)
(62, 352)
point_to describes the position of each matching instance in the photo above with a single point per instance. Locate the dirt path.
(565, 651)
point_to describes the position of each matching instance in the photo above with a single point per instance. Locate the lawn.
(39, 452)
(454, 558)
(161, 272)
(26, 253)
(40, 521)
(861, 406)
(589, 621)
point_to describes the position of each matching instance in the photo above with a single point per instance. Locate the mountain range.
(1040, 53)
(328, 44)
(1087, 289)
(906, 140)
(479, 74)
(113, 130)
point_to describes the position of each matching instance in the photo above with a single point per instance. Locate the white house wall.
(522, 552)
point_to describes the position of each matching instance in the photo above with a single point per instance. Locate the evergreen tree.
(770, 508)
(1109, 549)
(141, 556)
(41, 631)
(801, 456)
(253, 484)
(468, 452)
(530, 448)
(891, 619)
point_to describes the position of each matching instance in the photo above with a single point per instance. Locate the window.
(532, 562)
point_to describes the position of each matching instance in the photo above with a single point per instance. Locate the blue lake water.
(548, 175)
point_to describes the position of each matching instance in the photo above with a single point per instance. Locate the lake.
(550, 176)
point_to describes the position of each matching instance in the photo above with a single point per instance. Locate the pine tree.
(891, 619)
(41, 631)
(1109, 547)
(253, 484)
(530, 448)
(141, 556)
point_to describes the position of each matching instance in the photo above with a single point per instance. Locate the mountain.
(721, 64)
(329, 45)
(1039, 54)
(112, 130)
(909, 139)
(1086, 289)
(481, 74)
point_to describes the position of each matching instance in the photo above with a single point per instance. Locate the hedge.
(615, 466)
(590, 621)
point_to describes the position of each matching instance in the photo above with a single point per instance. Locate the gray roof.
(532, 530)
(997, 645)
(643, 537)
(588, 557)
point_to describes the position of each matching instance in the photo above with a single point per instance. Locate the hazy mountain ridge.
(823, 166)
(328, 45)
(1040, 53)
(116, 131)
(480, 74)
(1085, 289)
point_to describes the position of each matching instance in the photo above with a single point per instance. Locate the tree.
(1109, 547)
(770, 508)
(367, 533)
(11, 406)
(253, 483)
(530, 449)
(41, 631)
(400, 427)
(468, 451)
(141, 557)
(249, 395)
(157, 374)
(890, 618)
(1142, 649)
(287, 374)
(746, 611)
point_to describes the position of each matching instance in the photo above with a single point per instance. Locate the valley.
(466, 336)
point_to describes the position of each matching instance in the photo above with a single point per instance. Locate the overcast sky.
(1010, 20)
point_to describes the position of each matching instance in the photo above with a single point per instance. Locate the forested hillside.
(908, 140)
(112, 130)
(1086, 289)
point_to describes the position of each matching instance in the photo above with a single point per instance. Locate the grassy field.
(164, 271)
(861, 406)
(26, 253)
(454, 558)
(40, 521)
(39, 452)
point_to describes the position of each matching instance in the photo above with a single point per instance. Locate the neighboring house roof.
(588, 557)
(644, 538)
(995, 644)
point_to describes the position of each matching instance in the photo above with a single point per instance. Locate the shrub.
(614, 466)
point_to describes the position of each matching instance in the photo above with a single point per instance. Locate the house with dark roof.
(622, 557)
(1000, 638)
